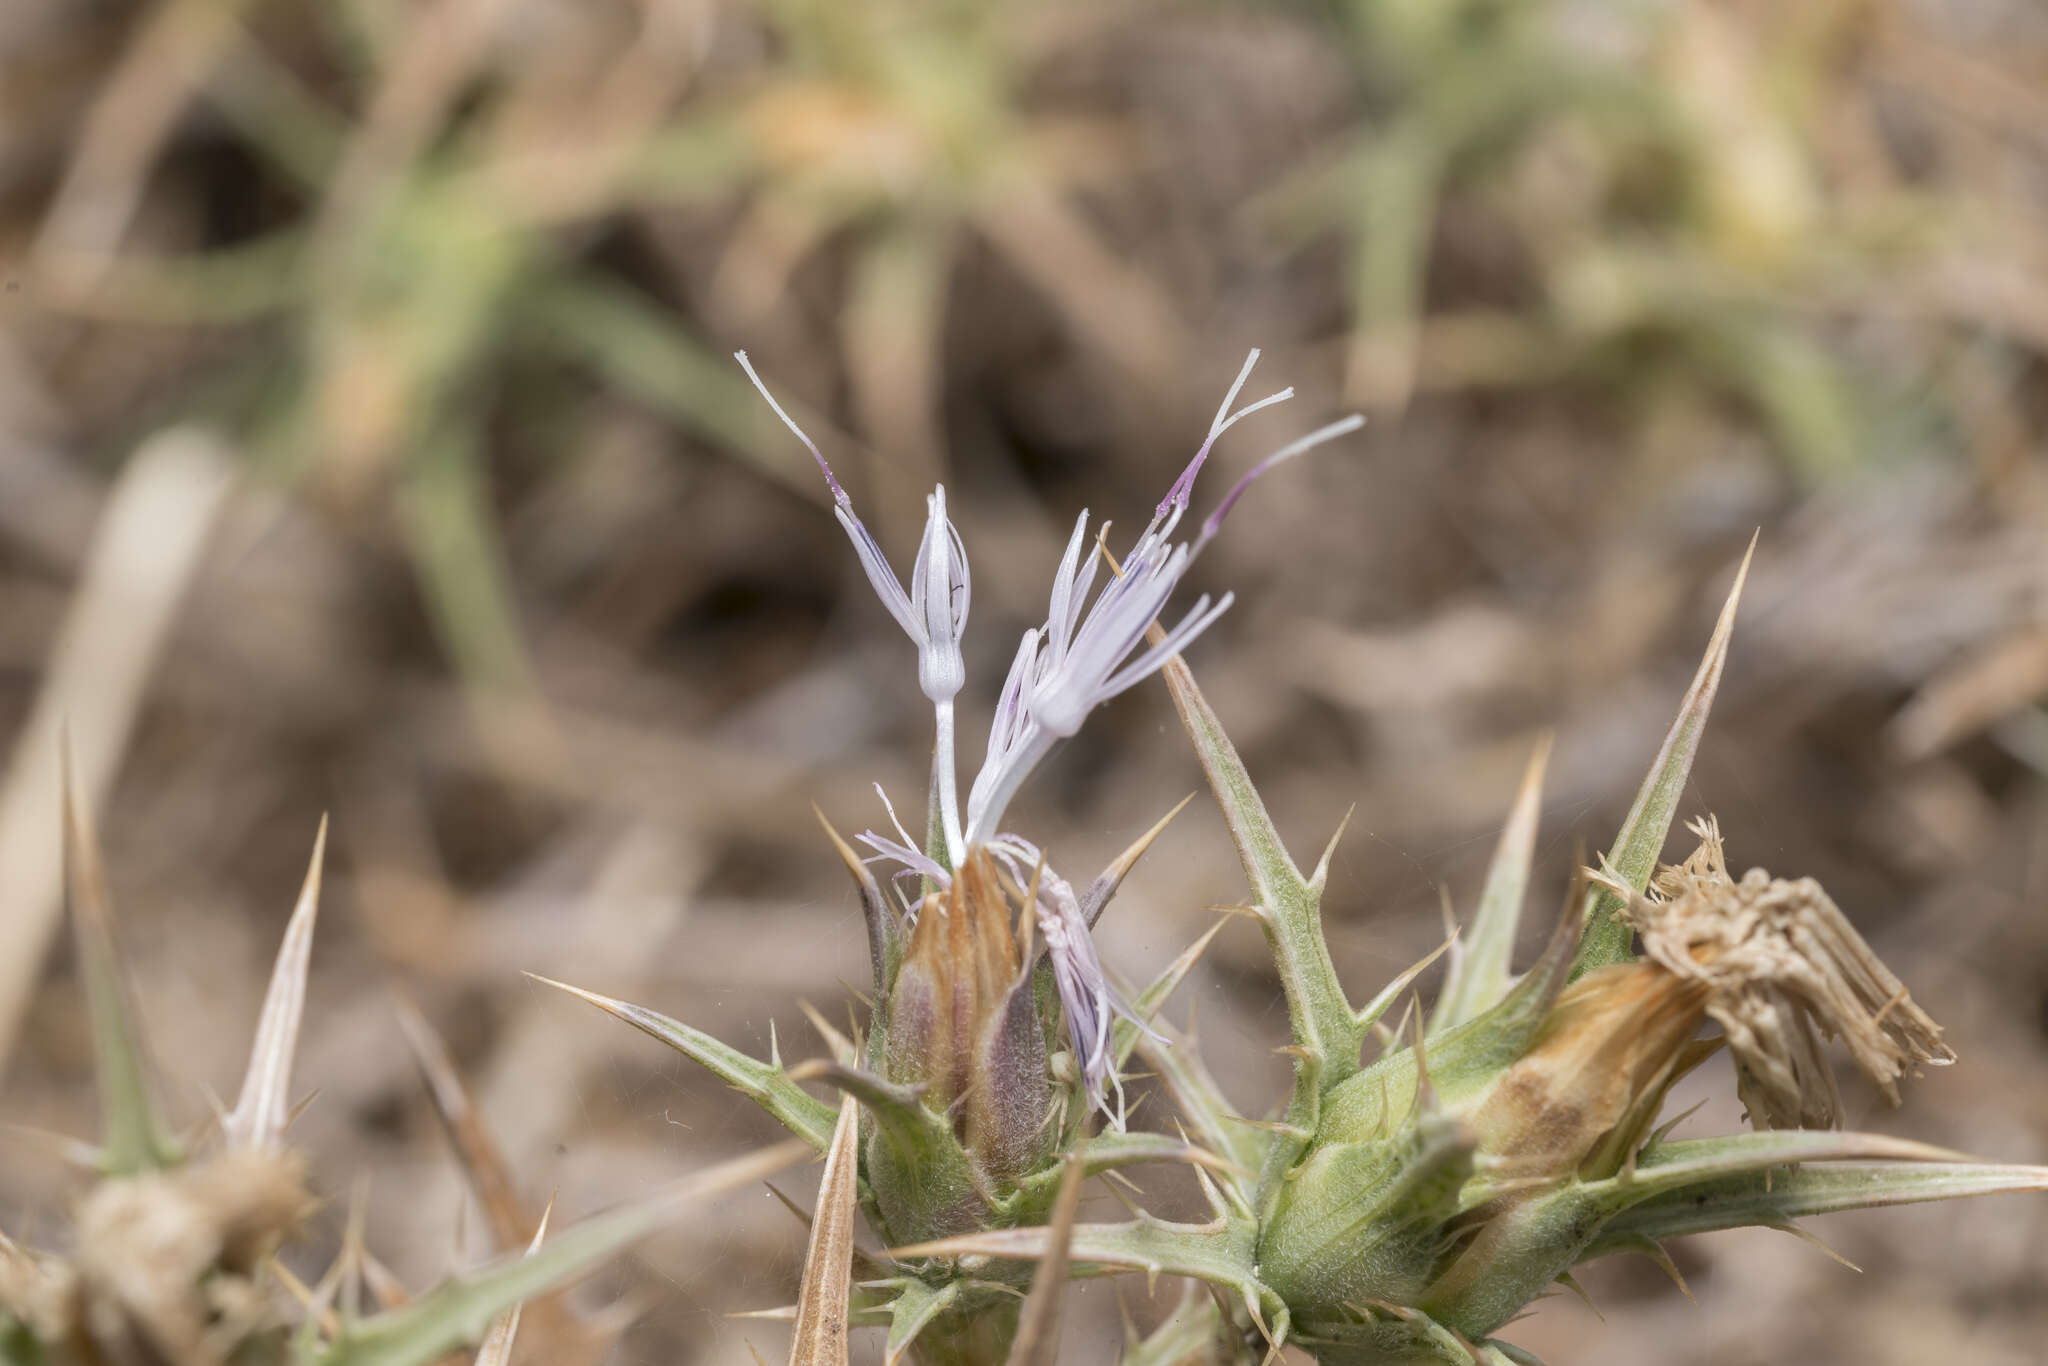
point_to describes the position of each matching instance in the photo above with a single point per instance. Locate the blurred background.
(369, 445)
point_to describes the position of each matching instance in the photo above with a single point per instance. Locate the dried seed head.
(1784, 969)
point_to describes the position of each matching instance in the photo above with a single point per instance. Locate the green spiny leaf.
(135, 1139)
(1108, 1151)
(1523, 1248)
(1500, 1033)
(497, 1348)
(1777, 1197)
(1290, 905)
(1676, 1163)
(922, 1180)
(1382, 1331)
(1374, 1103)
(1327, 1033)
(1479, 974)
(1367, 1217)
(897, 1110)
(1636, 848)
(912, 1311)
(1223, 1252)
(798, 1111)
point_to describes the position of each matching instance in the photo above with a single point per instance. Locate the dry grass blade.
(821, 1312)
(131, 123)
(497, 1348)
(554, 1332)
(145, 549)
(1038, 1327)
(828, 1264)
(261, 1114)
(490, 1175)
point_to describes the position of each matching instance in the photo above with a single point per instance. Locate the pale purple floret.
(1214, 521)
(903, 850)
(1086, 997)
(1176, 499)
(933, 613)
(1082, 656)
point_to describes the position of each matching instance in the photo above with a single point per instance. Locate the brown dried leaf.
(1038, 1327)
(821, 1314)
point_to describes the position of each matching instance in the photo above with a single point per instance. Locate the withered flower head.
(1462, 1173)
(1784, 969)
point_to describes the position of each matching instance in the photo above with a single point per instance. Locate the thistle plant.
(1400, 1210)
(995, 1032)
(1407, 1209)
(170, 1257)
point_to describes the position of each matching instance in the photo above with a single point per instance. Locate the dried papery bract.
(1784, 969)
(264, 1108)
